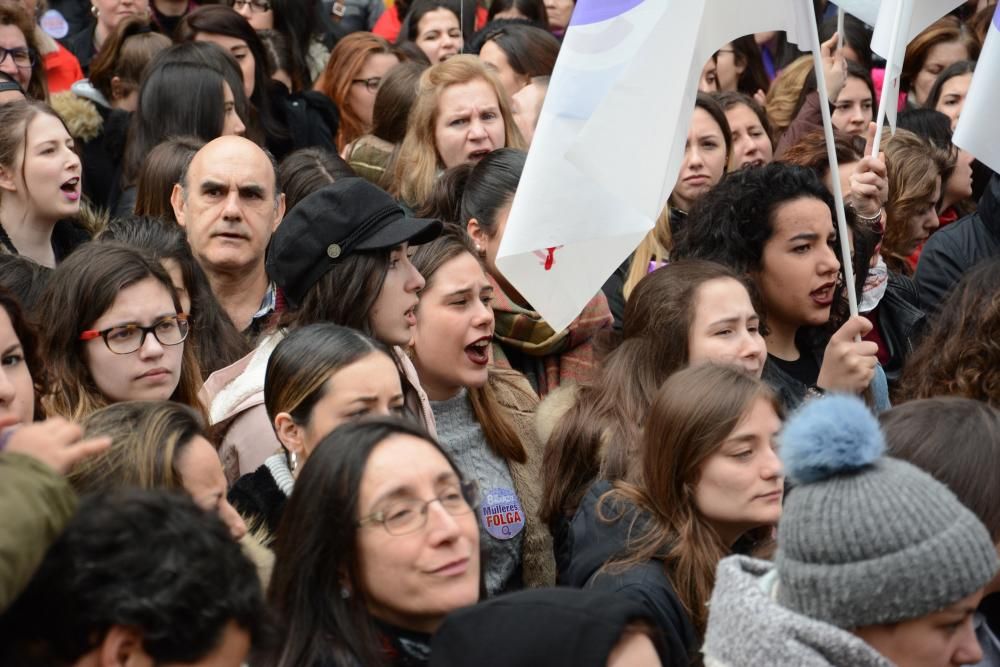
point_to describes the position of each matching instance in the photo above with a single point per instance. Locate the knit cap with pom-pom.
(865, 539)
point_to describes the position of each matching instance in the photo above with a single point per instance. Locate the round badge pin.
(501, 513)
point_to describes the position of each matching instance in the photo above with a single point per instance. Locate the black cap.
(331, 224)
(542, 626)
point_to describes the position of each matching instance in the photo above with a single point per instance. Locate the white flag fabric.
(611, 135)
(977, 125)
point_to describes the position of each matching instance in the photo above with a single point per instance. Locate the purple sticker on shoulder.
(595, 11)
(501, 513)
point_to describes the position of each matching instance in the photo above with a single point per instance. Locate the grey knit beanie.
(866, 539)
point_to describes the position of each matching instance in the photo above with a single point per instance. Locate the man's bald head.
(230, 147)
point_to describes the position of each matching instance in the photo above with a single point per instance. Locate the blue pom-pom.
(830, 435)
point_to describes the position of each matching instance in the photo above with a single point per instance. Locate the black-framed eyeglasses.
(22, 57)
(408, 516)
(128, 338)
(371, 84)
(256, 6)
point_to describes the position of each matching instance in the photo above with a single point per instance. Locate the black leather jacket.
(900, 323)
(952, 251)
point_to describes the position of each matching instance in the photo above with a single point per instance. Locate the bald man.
(228, 201)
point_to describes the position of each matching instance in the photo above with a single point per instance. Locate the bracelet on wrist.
(869, 219)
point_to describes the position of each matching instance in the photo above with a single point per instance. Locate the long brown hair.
(912, 165)
(692, 414)
(346, 60)
(960, 355)
(601, 432)
(945, 29)
(160, 171)
(493, 417)
(81, 289)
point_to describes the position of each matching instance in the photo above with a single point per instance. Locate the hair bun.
(829, 436)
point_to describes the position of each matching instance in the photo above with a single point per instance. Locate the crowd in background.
(267, 399)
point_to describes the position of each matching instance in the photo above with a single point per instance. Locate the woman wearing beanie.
(705, 481)
(878, 564)
(957, 441)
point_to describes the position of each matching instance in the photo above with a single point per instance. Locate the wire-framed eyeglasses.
(402, 517)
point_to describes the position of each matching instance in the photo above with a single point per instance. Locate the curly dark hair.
(960, 356)
(149, 560)
(732, 223)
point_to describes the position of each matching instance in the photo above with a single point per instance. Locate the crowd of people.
(267, 399)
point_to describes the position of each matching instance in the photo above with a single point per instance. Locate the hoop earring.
(94, 11)
(293, 461)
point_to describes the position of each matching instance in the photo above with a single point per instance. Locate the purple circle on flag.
(996, 18)
(595, 11)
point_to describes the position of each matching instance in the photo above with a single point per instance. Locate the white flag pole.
(831, 153)
(840, 29)
(890, 67)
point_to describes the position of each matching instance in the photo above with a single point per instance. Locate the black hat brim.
(396, 231)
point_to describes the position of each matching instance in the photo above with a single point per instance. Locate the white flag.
(977, 126)
(611, 135)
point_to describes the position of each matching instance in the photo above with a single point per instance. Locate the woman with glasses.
(383, 536)
(356, 68)
(114, 332)
(19, 51)
(296, 21)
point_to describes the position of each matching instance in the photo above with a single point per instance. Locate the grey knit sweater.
(462, 437)
(747, 626)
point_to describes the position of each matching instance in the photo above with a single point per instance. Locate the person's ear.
(117, 91)
(177, 203)
(739, 64)
(477, 234)
(290, 434)
(7, 180)
(122, 647)
(279, 211)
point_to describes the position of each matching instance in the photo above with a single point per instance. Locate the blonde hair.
(418, 163)
(655, 247)
(346, 60)
(147, 439)
(912, 164)
(783, 97)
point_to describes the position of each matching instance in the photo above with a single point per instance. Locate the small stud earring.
(345, 592)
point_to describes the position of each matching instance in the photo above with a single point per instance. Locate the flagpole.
(840, 29)
(890, 64)
(831, 153)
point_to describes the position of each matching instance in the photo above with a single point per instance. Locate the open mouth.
(476, 156)
(824, 295)
(478, 352)
(71, 188)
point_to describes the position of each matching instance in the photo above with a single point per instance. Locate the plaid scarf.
(550, 358)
